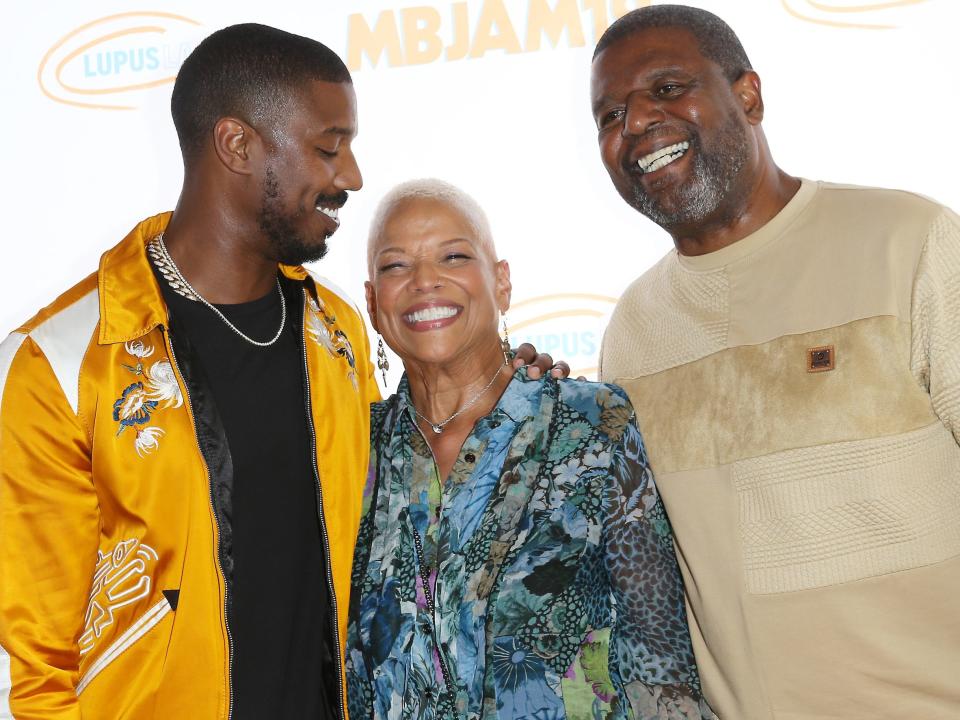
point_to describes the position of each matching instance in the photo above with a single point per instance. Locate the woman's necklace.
(171, 273)
(438, 427)
(432, 609)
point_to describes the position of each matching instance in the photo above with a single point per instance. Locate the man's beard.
(280, 227)
(713, 175)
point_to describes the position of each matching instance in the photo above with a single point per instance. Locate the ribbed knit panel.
(836, 513)
(936, 319)
(667, 318)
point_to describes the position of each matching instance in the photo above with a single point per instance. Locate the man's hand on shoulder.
(539, 363)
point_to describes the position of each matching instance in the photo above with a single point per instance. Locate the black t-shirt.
(279, 618)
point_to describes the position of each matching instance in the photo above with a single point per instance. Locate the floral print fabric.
(138, 402)
(550, 559)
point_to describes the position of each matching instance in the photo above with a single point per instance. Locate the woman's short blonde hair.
(430, 189)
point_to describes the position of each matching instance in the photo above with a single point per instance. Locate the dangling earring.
(505, 342)
(382, 361)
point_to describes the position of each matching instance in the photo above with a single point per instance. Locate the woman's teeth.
(430, 314)
(662, 157)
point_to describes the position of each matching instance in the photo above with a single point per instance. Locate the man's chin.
(661, 213)
(678, 205)
(301, 253)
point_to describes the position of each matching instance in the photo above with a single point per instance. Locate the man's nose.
(348, 172)
(642, 114)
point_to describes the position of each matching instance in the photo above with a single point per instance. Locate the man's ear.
(504, 288)
(233, 142)
(746, 88)
(371, 304)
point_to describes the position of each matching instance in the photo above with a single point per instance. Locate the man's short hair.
(247, 71)
(437, 191)
(715, 39)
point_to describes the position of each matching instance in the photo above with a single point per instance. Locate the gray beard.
(712, 181)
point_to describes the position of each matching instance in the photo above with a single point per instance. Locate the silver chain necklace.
(178, 283)
(438, 427)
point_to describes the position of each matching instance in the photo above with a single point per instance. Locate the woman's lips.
(431, 316)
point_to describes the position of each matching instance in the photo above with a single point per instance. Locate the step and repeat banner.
(491, 95)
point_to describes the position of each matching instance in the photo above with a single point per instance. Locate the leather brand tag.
(821, 359)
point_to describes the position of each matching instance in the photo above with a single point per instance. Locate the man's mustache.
(337, 200)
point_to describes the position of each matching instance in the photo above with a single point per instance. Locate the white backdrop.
(477, 92)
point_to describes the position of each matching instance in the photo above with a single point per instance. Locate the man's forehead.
(650, 53)
(653, 48)
(327, 107)
(329, 91)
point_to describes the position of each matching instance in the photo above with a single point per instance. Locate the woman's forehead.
(428, 215)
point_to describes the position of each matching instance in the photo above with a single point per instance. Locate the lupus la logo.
(107, 63)
(852, 13)
(569, 326)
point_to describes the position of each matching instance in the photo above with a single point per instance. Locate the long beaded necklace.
(432, 609)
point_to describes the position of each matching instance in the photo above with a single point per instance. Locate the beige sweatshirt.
(799, 395)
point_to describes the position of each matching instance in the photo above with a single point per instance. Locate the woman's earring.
(505, 342)
(382, 361)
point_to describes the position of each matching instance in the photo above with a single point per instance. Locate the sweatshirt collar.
(755, 240)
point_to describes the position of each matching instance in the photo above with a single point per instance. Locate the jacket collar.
(131, 304)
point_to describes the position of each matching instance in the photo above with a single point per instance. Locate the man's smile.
(329, 205)
(661, 158)
(330, 212)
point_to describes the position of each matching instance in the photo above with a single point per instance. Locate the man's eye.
(610, 117)
(668, 89)
(390, 266)
(457, 256)
(327, 153)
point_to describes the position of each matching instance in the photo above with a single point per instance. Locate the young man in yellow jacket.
(183, 435)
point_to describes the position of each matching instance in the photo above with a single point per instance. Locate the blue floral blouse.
(538, 581)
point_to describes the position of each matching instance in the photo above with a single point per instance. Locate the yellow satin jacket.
(114, 496)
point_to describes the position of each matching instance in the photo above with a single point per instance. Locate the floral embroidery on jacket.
(550, 558)
(138, 401)
(321, 327)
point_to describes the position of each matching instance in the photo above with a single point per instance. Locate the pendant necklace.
(438, 427)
